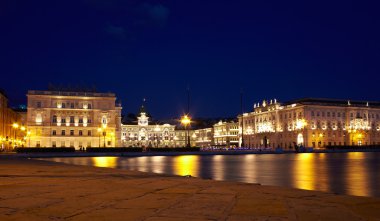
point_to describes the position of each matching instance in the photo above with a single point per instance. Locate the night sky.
(156, 49)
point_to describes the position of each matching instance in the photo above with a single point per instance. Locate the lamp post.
(99, 132)
(23, 129)
(185, 120)
(112, 139)
(15, 127)
(175, 141)
(28, 135)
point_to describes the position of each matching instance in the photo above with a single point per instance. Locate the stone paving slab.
(41, 190)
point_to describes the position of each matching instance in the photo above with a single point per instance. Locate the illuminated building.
(73, 119)
(204, 137)
(226, 134)
(311, 122)
(145, 135)
(12, 129)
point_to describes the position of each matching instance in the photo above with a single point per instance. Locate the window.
(89, 133)
(80, 133)
(72, 105)
(81, 120)
(71, 132)
(89, 106)
(63, 120)
(328, 114)
(318, 114)
(38, 104)
(54, 119)
(104, 120)
(63, 132)
(72, 119)
(88, 120)
(54, 132)
(38, 143)
(63, 105)
(109, 143)
(312, 113)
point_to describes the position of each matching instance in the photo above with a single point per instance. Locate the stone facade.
(226, 134)
(204, 137)
(73, 119)
(12, 129)
(143, 134)
(311, 122)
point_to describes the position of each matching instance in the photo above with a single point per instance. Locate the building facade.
(144, 134)
(226, 134)
(73, 119)
(12, 129)
(204, 137)
(311, 122)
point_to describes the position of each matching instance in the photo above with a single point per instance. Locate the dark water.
(344, 173)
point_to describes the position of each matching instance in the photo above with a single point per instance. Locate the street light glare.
(185, 120)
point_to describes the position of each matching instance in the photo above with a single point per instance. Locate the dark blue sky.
(155, 49)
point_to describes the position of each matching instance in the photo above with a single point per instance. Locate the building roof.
(71, 93)
(333, 102)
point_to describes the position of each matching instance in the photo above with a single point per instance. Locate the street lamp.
(185, 120)
(15, 127)
(112, 139)
(28, 135)
(99, 132)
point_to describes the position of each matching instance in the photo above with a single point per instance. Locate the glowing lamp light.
(185, 120)
(15, 125)
(300, 124)
(22, 128)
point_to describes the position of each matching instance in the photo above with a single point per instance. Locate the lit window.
(38, 118)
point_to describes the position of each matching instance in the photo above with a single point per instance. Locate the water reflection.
(304, 171)
(218, 167)
(344, 173)
(104, 161)
(186, 165)
(356, 179)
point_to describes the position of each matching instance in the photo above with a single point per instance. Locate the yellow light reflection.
(355, 155)
(159, 164)
(218, 167)
(104, 161)
(186, 165)
(357, 175)
(304, 171)
(250, 175)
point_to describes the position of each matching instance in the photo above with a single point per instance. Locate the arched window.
(300, 139)
(104, 120)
